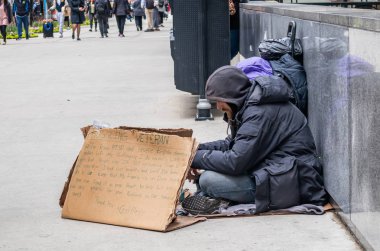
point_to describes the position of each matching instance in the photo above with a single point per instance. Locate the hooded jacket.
(270, 141)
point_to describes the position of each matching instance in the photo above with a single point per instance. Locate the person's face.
(224, 107)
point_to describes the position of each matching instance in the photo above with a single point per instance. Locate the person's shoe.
(61, 36)
(138, 29)
(27, 37)
(78, 39)
(73, 36)
(106, 35)
(161, 25)
(18, 39)
(156, 29)
(149, 30)
(101, 36)
(90, 30)
(198, 204)
(122, 35)
(4, 43)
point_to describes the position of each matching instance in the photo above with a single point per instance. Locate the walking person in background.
(156, 16)
(21, 9)
(161, 11)
(149, 8)
(121, 9)
(67, 14)
(103, 9)
(59, 5)
(91, 14)
(5, 18)
(77, 16)
(138, 12)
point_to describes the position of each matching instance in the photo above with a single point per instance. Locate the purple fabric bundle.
(254, 67)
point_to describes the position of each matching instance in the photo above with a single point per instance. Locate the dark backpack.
(161, 3)
(149, 4)
(101, 7)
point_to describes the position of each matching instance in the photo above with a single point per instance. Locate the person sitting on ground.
(269, 158)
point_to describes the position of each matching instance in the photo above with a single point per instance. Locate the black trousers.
(120, 20)
(3, 30)
(161, 16)
(138, 21)
(93, 19)
(103, 24)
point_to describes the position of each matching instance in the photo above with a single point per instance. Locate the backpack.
(101, 7)
(294, 73)
(161, 3)
(149, 4)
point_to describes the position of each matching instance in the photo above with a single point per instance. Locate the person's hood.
(268, 90)
(228, 84)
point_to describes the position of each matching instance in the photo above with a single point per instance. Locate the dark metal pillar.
(203, 106)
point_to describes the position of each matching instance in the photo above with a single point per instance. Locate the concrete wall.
(342, 62)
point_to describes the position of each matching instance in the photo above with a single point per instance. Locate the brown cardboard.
(130, 177)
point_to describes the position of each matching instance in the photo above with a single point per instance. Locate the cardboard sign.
(130, 177)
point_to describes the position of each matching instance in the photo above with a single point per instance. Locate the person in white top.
(59, 6)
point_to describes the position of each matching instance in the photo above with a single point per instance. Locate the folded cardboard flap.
(130, 177)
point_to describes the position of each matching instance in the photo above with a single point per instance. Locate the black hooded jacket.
(270, 141)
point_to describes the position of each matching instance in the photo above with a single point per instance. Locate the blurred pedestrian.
(91, 14)
(149, 8)
(5, 18)
(161, 11)
(59, 5)
(138, 12)
(156, 16)
(77, 16)
(21, 9)
(103, 10)
(121, 9)
(67, 14)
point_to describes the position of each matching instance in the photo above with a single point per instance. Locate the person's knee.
(207, 181)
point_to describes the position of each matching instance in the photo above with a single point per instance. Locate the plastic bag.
(273, 49)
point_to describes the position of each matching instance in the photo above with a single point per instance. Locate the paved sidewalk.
(52, 87)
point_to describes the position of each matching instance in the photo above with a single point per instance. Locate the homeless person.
(268, 159)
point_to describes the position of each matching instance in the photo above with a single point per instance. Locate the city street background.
(50, 88)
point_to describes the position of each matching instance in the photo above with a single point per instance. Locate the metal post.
(203, 106)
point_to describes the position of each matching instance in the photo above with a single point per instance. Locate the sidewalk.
(52, 87)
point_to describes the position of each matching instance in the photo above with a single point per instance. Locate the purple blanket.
(254, 67)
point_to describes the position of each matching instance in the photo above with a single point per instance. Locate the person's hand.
(81, 9)
(193, 175)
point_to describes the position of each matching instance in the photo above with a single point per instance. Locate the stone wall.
(342, 62)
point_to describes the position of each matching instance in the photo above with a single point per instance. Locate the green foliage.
(13, 35)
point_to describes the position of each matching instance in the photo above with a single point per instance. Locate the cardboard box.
(130, 177)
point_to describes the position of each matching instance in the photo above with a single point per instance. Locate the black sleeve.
(220, 145)
(244, 154)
